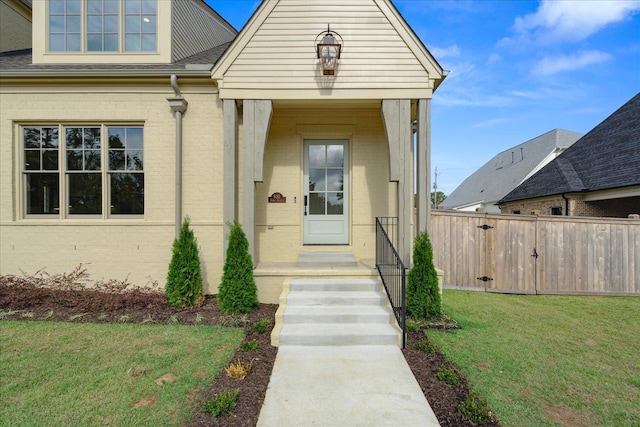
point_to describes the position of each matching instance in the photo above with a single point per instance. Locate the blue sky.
(518, 69)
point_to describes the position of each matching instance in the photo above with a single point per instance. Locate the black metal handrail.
(392, 270)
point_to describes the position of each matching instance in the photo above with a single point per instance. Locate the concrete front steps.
(334, 312)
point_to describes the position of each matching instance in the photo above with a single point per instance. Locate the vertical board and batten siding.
(281, 54)
(195, 26)
(582, 256)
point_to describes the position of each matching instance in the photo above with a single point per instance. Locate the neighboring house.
(120, 121)
(597, 176)
(496, 178)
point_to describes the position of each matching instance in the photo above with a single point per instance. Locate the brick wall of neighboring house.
(617, 208)
(540, 206)
(614, 208)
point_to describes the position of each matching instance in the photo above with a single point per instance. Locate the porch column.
(230, 143)
(256, 119)
(424, 168)
(396, 115)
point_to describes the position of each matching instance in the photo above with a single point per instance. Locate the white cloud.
(556, 64)
(447, 52)
(494, 58)
(573, 20)
(490, 123)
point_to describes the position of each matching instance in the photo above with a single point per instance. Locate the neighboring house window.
(556, 211)
(102, 25)
(80, 167)
(516, 212)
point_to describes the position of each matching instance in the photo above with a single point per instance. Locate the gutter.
(178, 106)
(189, 70)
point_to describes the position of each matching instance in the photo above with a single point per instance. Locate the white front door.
(326, 192)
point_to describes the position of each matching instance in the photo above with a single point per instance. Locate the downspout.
(566, 205)
(178, 105)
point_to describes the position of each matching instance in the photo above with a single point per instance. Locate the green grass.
(54, 374)
(548, 360)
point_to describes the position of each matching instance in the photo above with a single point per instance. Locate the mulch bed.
(72, 305)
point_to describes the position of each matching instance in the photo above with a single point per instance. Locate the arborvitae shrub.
(423, 294)
(237, 292)
(184, 279)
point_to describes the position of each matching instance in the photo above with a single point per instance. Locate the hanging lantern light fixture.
(328, 51)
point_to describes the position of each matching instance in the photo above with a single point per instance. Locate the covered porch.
(307, 179)
(323, 124)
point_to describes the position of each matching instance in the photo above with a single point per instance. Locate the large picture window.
(96, 170)
(102, 25)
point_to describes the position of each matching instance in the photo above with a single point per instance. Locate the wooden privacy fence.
(537, 254)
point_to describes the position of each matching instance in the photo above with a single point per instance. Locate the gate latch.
(484, 278)
(485, 226)
(534, 254)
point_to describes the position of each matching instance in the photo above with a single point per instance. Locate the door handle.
(305, 205)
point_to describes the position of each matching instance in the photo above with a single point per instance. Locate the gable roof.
(274, 54)
(508, 169)
(607, 157)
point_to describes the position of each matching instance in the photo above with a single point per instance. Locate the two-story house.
(125, 116)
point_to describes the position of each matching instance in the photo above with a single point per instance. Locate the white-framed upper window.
(102, 25)
(97, 170)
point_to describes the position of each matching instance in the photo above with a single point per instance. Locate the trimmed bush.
(475, 408)
(184, 279)
(237, 292)
(423, 294)
(261, 326)
(222, 403)
(448, 375)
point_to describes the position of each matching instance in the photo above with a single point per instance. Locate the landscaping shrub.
(239, 369)
(184, 280)
(475, 408)
(426, 345)
(412, 325)
(222, 403)
(261, 326)
(251, 345)
(448, 375)
(423, 294)
(238, 292)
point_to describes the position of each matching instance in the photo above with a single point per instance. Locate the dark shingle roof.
(20, 61)
(607, 157)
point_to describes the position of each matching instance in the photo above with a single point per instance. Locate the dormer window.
(102, 26)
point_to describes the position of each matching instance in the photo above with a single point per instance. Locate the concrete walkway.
(344, 386)
(338, 361)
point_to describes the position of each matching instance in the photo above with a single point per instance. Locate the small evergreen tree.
(423, 293)
(237, 292)
(184, 279)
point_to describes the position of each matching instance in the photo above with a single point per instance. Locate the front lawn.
(548, 360)
(107, 374)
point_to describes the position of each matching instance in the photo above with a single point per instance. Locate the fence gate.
(486, 251)
(510, 254)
